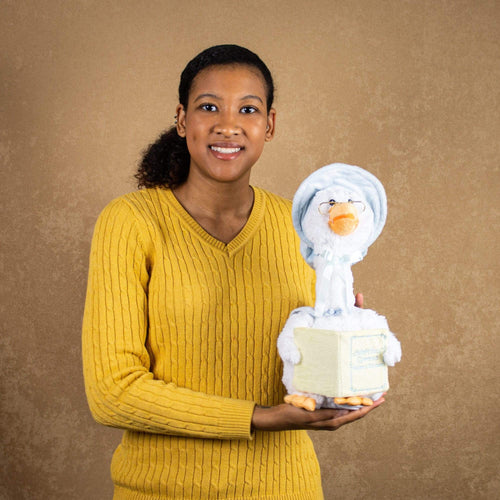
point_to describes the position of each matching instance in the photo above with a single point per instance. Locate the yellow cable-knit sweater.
(179, 344)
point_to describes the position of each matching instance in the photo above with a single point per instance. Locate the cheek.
(258, 132)
(194, 125)
(193, 135)
(194, 146)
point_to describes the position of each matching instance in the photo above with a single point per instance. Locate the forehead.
(337, 193)
(229, 79)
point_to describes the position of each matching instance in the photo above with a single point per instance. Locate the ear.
(180, 113)
(271, 124)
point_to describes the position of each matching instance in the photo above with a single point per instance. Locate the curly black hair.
(165, 162)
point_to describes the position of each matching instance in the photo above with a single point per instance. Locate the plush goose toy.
(336, 355)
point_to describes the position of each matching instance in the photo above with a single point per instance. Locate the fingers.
(288, 417)
(359, 300)
(342, 417)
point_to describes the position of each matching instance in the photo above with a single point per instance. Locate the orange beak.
(343, 218)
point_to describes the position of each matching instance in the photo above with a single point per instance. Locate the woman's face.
(226, 122)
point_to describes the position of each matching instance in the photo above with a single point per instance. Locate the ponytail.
(165, 163)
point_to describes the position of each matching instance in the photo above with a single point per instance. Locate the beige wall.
(406, 89)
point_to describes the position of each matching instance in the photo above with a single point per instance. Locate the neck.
(214, 198)
(222, 209)
(334, 287)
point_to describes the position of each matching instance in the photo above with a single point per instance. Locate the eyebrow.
(213, 96)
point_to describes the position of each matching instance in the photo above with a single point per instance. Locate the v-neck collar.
(252, 224)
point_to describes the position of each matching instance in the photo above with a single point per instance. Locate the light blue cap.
(342, 176)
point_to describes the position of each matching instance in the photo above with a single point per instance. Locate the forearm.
(138, 402)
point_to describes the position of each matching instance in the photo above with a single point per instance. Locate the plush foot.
(353, 401)
(301, 401)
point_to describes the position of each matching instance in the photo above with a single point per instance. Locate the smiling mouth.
(226, 151)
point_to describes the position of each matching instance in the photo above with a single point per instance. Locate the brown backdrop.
(406, 89)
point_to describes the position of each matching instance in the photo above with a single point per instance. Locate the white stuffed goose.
(338, 212)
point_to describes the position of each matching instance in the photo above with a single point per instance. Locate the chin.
(227, 174)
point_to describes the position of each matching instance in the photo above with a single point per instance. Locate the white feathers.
(316, 230)
(300, 317)
(331, 254)
(392, 354)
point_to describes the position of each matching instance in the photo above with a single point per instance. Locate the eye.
(325, 207)
(248, 109)
(208, 107)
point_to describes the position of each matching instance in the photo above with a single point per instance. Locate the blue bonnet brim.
(343, 176)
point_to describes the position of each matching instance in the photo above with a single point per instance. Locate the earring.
(175, 120)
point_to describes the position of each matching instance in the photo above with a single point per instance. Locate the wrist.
(259, 416)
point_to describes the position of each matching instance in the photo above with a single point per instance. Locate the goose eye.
(332, 202)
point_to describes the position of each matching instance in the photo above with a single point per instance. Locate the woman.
(191, 280)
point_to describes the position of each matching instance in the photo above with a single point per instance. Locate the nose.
(227, 124)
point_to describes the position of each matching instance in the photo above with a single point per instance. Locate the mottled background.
(406, 89)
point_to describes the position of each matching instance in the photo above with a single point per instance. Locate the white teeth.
(224, 150)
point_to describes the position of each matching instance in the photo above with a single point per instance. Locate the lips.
(226, 151)
(218, 149)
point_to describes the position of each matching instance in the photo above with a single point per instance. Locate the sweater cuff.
(236, 422)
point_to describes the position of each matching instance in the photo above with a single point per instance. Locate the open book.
(341, 364)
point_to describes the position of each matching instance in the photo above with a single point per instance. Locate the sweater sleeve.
(121, 390)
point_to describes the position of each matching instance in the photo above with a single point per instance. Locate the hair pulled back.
(165, 162)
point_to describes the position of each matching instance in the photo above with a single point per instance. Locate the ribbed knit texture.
(179, 343)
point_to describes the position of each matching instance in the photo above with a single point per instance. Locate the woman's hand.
(359, 300)
(287, 417)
